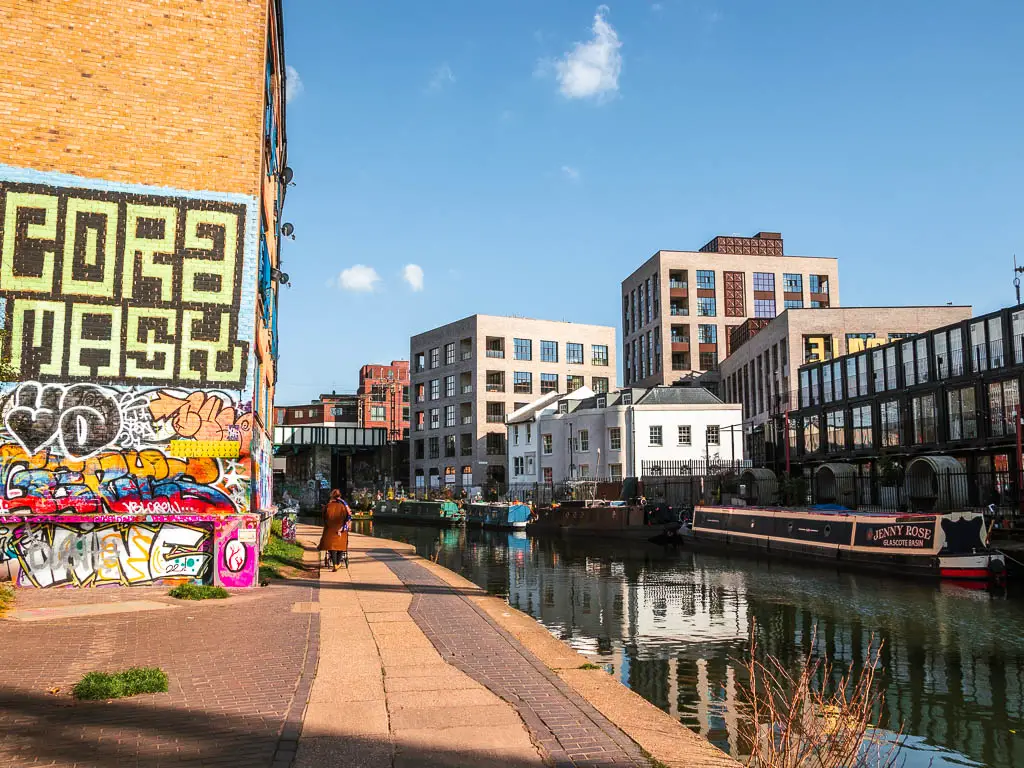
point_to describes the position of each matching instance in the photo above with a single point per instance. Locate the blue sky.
(526, 155)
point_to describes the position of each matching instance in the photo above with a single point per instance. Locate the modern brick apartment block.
(679, 308)
(468, 375)
(142, 178)
(384, 398)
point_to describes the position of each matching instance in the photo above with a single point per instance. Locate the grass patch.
(655, 762)
(130, 682)
(588, 665)
(199, 592)
(6, 599)
(279, 555)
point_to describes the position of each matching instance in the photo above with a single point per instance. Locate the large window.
(979, 352)
(712, 435)
(546, 444)
(584, 440)
(836, 430)
(963, 415)
(818, 283)
(435, 357)
(889, 423)
(706, 307)
(707, 334)
(572, 383)
(615, 439)
(449, 354)
(449, 446)
(1003, 403)
(995, 342)
(862, 376)
(706, 279)
(909, 369)
(792, 283)
(435, 418)
(826, 388)
(522, 349)
(549, 351)
(655, 433)
(435, 389)
(684, 434)
(496, 444)
(921, 353)
(495, 413)
(434, 445)
(940, 353)
(599, 384)
(522, 382)
(890, 368)
(495, 381)
(805, 388)
(708, 361)
(574, 353)
(793, 303)
(923, 408)
(764, 307)
(812, 436)
(377, 413)
(764, 281)
(548, 383)
(449, 386)
(599, 354)
(862, 433)
(851, 377)
(449, 415)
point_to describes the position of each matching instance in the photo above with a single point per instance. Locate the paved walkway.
(235, 668)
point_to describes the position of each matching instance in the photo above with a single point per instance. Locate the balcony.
(676, 310)
(495, 418)
(467, 419)
(681, 345)
(495, 387)
(498, 353)
(467, 389)
(467, 355)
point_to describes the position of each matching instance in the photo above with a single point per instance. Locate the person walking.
(336, 524)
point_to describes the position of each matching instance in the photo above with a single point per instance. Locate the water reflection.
(672, 625)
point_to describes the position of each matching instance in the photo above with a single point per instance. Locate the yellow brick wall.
(166, 92)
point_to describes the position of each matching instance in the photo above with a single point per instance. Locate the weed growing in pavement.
(588, 665)
(199, 592)
(130, 682)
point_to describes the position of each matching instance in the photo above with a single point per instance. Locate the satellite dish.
(287, 175)
(287, 229)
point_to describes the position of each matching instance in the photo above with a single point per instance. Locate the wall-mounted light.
(279, 276)
(288, 230)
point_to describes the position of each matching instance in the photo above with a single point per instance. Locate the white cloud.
(591, 69)
(293, 86)
(413, 275)
(359, 278)
(571, 173)
(442, 77)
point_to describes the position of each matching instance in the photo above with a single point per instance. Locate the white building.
(619, 434)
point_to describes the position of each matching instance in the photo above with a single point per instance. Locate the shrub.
(199, 592)
(130, 682)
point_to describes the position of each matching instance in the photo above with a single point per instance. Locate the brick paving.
(569, 730)
(240, 672)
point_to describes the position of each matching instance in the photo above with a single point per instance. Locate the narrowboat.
(512, 517)
(609, 519)
(951, 545)
(445, 513)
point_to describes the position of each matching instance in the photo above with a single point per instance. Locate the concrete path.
(419, 667)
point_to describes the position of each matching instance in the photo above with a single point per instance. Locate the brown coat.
(333, 538)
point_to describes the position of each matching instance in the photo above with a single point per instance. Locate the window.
(862, 435)
(449, 446)
(792, 283)
(921, 354)
(924, 418)
(963, 417)
(496, 444)
(449, 415)
(615, 470)
(435, 357)
(995, 342)
(862, 376)
(655, 432)
(818, 283)
(705, 306)
(1003, 403)
(435, 418)
(420, 363)
(449, 386)
(599, 354)
(495, 413)
(546, 444)
(572, 383)
(764, 307)
(495, 346)
(826, 386)
(909, 369)
(851, 377)
(837, 380)
(889, 423)
(522, 382)
(678, 307)
(835, 422)
(793, 303)
(584, 470)
(712, 435)
(549, 351)
(890, 368)
(435, 389)
(707, 334)
(584, 440)
(465, 445)
(420, 393)
(548, 383)
(764, 281)
(708, 361)
(529, 435)
(449, 354)
(495, 381)
(518, 466)
(574, 353)
(956, 352)
(434, 447)
(548, 477)
(615, 438)
(812, 436)
(515, 435)
(405, 394)
(419, 449)
(805, 389)
(878, 368)
(599, 384)
(940, 355)
(377, 413)
(680, 361)
(978, 350)
(522, 349)
(706, 279)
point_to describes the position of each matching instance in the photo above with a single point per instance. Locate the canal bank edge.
(658, 734)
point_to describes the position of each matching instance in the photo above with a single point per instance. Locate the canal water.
(674, 626)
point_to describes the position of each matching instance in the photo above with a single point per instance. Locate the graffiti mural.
(129, 450)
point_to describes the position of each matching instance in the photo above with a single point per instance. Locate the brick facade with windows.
(384, 397)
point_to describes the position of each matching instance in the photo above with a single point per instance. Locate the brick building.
(142, 179)
(384, 397)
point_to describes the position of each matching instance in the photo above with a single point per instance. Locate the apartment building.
(759, 374)
(142, 178)
(625, 433)
(384, 398)
(333, 410)
(680, 308)
(468, 375)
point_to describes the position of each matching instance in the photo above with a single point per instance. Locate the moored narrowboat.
(512, 517)
(608, 519)
(413, 511)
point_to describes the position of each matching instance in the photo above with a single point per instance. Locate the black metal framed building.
(952, 391)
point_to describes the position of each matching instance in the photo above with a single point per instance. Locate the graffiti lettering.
(82, 419)
(202, 416)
